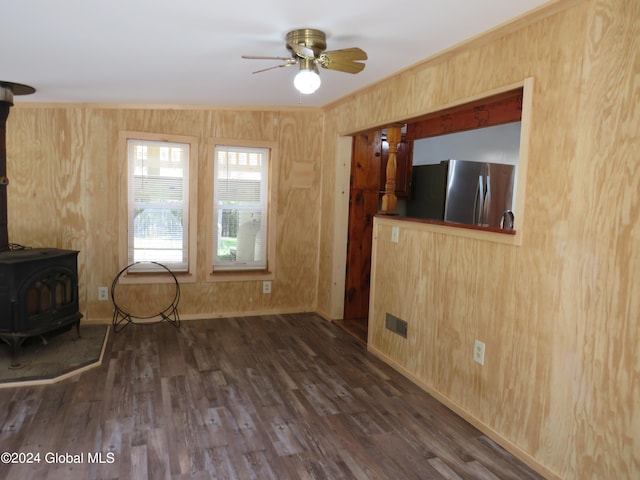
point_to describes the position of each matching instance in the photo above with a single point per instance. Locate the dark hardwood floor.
(272, 397)
(357, 328)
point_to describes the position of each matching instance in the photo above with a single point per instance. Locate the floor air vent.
(396, 325)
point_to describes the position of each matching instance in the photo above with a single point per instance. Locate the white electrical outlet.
(266, 286)
(103, 294)
(395, 233)
(478, 352)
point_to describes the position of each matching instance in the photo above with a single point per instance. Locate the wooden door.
(363, 205)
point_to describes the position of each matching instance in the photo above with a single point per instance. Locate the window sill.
(131, 278)
(241, 276)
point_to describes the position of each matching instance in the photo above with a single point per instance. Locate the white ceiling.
(188, 51)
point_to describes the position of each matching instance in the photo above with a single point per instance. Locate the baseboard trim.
(211, 315)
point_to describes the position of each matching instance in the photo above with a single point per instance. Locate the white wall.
(498, 144)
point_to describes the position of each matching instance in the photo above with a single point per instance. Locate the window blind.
(240, 208)
(158, 203)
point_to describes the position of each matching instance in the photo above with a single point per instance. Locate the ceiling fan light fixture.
(307, 47)
(307, 80)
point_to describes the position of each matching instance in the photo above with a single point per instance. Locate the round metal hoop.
(122, 319)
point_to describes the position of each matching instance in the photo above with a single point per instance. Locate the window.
(240, 208)
(160, 202)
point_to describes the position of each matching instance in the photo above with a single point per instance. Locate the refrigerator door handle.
(486, 201)
(478, 205)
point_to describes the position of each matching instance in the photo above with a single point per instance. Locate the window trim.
(123, 208)
(243, 275)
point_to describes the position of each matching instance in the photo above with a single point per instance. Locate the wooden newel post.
(389, 199)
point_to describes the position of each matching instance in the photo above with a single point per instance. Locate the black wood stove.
(38, 294)
(38, 286)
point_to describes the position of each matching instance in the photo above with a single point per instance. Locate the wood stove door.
(48, 299)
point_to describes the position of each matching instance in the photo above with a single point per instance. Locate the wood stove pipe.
(7, 91)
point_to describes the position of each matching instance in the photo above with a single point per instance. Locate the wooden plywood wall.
(560, 313)
(66, 186)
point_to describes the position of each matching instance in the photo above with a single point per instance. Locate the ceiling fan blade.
(346, 67)
(302, 51)
(344, 60)
(346, 54)
(287, 64)
(259, 57)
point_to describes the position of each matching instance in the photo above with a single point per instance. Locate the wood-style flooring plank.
(282, 396)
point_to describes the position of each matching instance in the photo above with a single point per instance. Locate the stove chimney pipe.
(7, 91)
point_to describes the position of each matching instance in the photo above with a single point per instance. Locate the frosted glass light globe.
(307, 81)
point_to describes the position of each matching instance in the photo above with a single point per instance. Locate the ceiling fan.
(307, 47)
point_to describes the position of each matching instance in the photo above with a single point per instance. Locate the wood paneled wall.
(64, 169)
(559, 314)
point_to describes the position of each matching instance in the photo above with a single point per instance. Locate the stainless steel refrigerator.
(461, 191)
